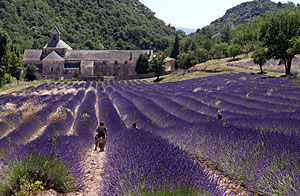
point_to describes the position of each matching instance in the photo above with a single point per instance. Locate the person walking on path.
(134, 126)
(102, 134)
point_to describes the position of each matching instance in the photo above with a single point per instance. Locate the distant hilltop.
(246, 12)
(186, 30)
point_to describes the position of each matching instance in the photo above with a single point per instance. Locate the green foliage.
(31, 73)
(278, 33)
(237, 32)
(295, 49)
(89, 24)
(15, 65)
(25, 177)
(10, 61)
(99, 74)
(234, 50)
(75, 74)
(142, 64)
(260, 57)
(156, 65)
(175, 50)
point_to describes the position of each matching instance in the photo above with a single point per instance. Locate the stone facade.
(59, 58)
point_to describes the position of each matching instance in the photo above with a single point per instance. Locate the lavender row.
(86, 120)
(19, 115)
(131, 169)
(25, 130)
(178, 110)
(62, 126)
(258, 159)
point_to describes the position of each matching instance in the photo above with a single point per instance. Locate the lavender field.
(257, 143)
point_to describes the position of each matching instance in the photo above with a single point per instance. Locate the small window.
(51, 69)
(116, 62)
(54, 37)
(126, 62)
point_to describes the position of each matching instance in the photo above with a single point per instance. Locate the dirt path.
(93, 166)
(233, 187)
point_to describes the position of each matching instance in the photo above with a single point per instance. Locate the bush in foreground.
(43, 164)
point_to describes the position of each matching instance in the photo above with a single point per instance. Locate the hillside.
(89, 24)
(246, 12)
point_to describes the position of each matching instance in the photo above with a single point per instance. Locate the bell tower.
(55, 34)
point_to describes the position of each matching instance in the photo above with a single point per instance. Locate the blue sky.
(192, 13)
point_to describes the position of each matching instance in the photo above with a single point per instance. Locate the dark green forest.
(88, 24)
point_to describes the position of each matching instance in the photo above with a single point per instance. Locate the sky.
(192, 14)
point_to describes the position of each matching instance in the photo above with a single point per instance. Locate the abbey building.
(57, 57)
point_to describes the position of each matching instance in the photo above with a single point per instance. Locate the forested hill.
(246, 12)
(88, 24)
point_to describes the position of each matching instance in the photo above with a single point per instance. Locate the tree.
(175, 50)
(4, 42)
(142, 64)
(15, 65)
(295, 49)
(31, 73)
(156, 65)
(259, 57)
(225, 34)
(187, 60)
(277, 34)
(234, 50)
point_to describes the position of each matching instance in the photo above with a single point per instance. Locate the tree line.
(277, 33)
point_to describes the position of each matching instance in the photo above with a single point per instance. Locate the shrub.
(99, 74)
(31, 73)
(75, 74)
(42, 164)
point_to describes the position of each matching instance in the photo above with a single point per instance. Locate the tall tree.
(4, 40)
(259, 57)
(156, 65)
(175, 50)
(15, 65)
(277, 33)
(142, 64)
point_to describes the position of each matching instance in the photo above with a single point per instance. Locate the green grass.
(20, 85)
(210, 68)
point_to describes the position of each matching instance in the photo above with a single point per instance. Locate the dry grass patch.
(59, 115)
(28, 110)
(11, 108)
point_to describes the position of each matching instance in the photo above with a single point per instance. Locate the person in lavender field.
(219, 116)
(101, 133)
(134, 126)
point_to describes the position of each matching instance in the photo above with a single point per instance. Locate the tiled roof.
(32, 55)
(102, 55)
(57, 44)
(55, 30)
(53, 56)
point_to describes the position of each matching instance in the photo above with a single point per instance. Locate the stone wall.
(53, 67)
(115, 68)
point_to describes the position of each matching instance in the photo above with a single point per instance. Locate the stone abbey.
(57, 57)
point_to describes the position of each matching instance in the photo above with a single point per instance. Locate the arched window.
(51, 69)
(126, 62)
(116, 62)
